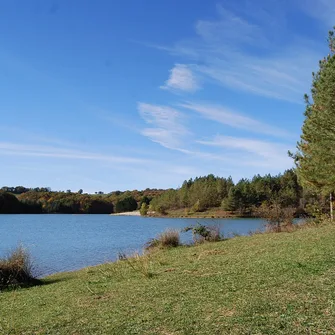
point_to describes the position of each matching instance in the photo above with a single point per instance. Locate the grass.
(139, 263)
(16, 270)
(264, 284)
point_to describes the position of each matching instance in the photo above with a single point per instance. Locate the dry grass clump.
(214, 234)
(139, 263)
(16, 269)
(168, 239)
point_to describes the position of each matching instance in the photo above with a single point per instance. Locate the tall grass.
(168, 239)
(16, 269)
(139, 263)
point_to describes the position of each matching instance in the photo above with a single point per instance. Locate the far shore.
(178, 214)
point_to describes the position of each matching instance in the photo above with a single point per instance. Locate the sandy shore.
(134, 213)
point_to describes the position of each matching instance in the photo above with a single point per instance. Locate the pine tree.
(315, 158)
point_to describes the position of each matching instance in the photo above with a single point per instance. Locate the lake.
(69, 242)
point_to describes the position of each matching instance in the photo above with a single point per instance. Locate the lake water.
(69, 242)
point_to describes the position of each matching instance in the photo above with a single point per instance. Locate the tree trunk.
(331, 206)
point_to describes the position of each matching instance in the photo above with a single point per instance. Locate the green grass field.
(265, 284)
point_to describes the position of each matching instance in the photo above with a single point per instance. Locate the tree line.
(22, 200)
(309, 188)
(195, 195)
(203, 193)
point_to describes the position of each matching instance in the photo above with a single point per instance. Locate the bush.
(202, 233)
(161, 209)
(167, 239)
(276, 216)
(16, 269)
(144, 209)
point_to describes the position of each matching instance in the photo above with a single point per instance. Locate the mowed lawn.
(265, 284)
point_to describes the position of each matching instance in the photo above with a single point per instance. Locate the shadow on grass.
(32, 283)
(50, 281)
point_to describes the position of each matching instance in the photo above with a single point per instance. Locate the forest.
(22, 200)
(194, 196)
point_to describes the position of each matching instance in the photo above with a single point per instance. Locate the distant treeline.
(16, 200)
(203, 193)
(195, 195)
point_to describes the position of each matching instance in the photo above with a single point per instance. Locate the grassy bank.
(265, 284)
(211, 213)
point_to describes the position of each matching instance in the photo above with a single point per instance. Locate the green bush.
(202, 233)
(144, 209)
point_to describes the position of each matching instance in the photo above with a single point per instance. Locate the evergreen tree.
(315, 158)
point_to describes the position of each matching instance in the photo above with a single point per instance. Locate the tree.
(315, 156)
(127, 204)
(9, 204)
(275, 215)
(144, 209)
(145, 200)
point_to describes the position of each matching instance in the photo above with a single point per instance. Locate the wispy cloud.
(267, 153)
(233, 119)
(166, 125)
(243, 53)
(181, 79)
(323, 10)
(17, 149)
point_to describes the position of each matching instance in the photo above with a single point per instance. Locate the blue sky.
(116, 95)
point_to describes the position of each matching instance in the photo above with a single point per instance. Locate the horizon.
(110, 96)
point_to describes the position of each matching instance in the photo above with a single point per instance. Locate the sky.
(129, 94)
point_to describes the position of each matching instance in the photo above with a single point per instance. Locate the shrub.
(144, 209)
(276, 216)
(16, 269)
(161, 209)
(167, 239)
(202, 233)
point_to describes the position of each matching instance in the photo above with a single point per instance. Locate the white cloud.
(15, 149)
(233, 119)
(264, 153)
(243, 53)
(181, 79)
(166, 125)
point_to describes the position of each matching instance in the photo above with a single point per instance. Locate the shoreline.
(98, 299)
(133, 213)
(181, 216)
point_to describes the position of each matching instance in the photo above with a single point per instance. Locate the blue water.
(69, 242)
